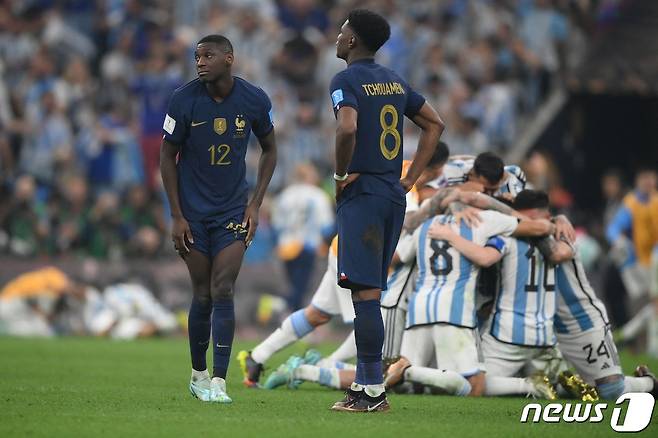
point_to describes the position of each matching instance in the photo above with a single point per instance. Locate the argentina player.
(207, 126)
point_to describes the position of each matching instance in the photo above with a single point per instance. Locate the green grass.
(89, 387)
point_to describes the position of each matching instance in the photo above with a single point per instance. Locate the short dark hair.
(528, 199)
(490, 166)
(220, 40)
(440, 155)
(371, 28)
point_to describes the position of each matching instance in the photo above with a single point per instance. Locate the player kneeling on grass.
(441, 321)
(581, 324)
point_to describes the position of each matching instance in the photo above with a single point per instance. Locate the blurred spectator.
(303, 219)
(612, 187)
(633, 232)
(142, 222)
(27, 220)
(84, 86)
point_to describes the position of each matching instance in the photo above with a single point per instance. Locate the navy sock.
(223, 326)
(369, 335)
(198, 327)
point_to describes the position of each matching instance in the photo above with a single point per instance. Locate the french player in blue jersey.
(202, 162)
(370, 102)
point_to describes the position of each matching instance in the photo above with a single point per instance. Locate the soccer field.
(90, 387)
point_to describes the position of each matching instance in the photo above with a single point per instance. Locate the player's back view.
(369, 102)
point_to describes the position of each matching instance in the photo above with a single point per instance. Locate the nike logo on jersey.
(223, 346)
(198, 123)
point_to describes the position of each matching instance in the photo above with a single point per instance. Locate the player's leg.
(198, 322)
(294, 327)
(346, 351)
(362, 227)
(594, 356)
(416, 352)
(225, 268)
(457, 349)
(500, 359)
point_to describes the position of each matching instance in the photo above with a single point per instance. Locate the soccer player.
(369, 103)
(519, 335)
(583, 331)
(487, 169)
(208, 125)
(441, 320)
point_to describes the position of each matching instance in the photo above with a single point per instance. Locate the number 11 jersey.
(445, 285)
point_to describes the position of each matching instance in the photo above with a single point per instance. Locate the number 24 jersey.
(445, 285)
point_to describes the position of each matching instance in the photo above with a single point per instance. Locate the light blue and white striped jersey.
(456, 171)
(445, 286)
(578, 307)
(400, 278)
(525, 304)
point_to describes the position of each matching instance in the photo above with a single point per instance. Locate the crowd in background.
(85, 85)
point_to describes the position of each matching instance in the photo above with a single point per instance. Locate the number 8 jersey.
(382, 99)
(524, 310)
(445, 285)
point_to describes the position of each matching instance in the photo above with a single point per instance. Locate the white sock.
(326, 362)
(496, 386)
(356, 387)
(638, 384)
(633, 327)
(346, 351)
(200, 375)
(324, 376)
(652, 335)
(280, 339)
(446, 380)
(374, 390)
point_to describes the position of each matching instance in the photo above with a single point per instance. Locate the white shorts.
(454, 348)
(332, 299)
(18, 319)
(509, 360)
(593, 353)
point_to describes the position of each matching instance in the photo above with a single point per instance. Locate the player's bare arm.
(432, 207)
(431, 127)
(480, 255)
(266, 165)
(180, 228)
(534, 228)
(555, 251)
(345, 143)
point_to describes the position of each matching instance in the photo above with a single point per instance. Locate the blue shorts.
(216, 233)
(369, 227)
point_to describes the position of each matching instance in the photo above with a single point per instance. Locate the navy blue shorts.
(369, 227)
(216, 233)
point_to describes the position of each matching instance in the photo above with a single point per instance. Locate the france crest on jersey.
(213, 138)
(445, 285)
(578, 307)
(525, 304)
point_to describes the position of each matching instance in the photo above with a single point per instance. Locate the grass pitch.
(91, 387)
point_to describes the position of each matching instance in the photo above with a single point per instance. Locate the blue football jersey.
(213, 137)
(382, 99)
